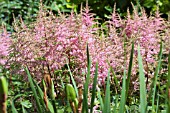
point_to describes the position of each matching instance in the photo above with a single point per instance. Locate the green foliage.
(21, 95)
(62, 5)
(143, 102)
(41, 94)
(107, 95)
(3, 94)
(25, 9)
(156, 77)
(28, 9)
(86, 85)
(164, 5)
(123, 95)
(100, 97)
(71, 95)
(94, 88)
(34, 91)
(72, 79)
(126, 82)
(129, 70)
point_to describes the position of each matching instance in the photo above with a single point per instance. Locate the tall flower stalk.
(57, 40)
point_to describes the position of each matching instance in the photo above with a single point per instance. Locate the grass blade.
(40, 92)
(85, 92)
(13, 108)
(156, 77)
(129, 70)
(143, 101)
(34, 91)
(117, 86)
(100, 98)
(116, 103)
(94, 88)
(157, 105)
(73, 81)
(125, 87)
(123, 94)
(23, 109)
(107, 95)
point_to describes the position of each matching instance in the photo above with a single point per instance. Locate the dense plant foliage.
(56, 46)
(56, 41)
(27, 9)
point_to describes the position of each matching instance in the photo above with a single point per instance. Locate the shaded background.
(27, 9)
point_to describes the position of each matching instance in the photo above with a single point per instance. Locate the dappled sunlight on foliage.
(66, 51)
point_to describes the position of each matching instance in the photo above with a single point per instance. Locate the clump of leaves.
(59, 40)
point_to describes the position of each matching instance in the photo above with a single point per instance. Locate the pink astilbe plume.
(146, 32)
(141, 29)
(62, 39)
(5, 43)
(55, 41)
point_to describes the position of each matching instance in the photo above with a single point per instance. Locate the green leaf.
(26, 104)
(100, 99)
(115, 80)
(129, 70)
(13, 108)
(85, 92)
(156, 77)
(23, 109)
(52, 95)
(73, 81)
(3, 94)
(71, 95)
(125, 87)
(157, 105)
(107, 95)
(143, 102)
(3, 87)
(39, 108)
(94, 88)
(40, 92)
(123, 94)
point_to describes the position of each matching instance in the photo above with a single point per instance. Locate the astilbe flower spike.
(145, 31)
(5, 43)
(57, 40)
(54, 41)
